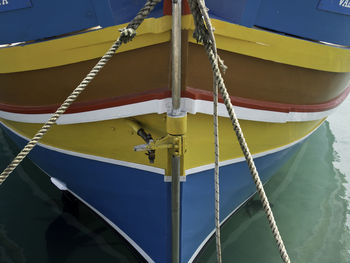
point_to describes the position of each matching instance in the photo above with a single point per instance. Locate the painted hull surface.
(284, 79)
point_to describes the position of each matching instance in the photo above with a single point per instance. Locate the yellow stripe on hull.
(80, 47)
(279, 48)
(230, 37)
(115, 139)
(260, 136)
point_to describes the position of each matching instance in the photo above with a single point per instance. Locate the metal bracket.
(174, 142)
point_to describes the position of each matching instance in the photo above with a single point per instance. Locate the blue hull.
(137, 203)
(325, 20)
(27, 20)
(40, 19)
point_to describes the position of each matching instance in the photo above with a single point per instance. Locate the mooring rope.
(126, 35)
(216, 170)
(206, 18)
(202, 34)
(216, 174)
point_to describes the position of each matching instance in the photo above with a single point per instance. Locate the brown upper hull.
(148, 69)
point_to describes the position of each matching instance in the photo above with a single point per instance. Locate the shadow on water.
(308, 202)
(39, 223)
(77, 229)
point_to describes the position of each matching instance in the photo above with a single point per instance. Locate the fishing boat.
(288, 69)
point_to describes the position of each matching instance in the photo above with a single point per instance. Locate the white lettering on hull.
(4, 2)
(344, 3)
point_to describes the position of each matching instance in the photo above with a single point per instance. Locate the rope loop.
(127, 34)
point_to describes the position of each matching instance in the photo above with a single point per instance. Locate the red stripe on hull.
(189, 93)
(167, 8)
(270, 106)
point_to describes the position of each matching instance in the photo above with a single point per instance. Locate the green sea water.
(310, 198)
(310, 201)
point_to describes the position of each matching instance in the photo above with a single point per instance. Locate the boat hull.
(284, 80)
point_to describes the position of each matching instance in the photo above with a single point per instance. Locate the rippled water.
(310, 197)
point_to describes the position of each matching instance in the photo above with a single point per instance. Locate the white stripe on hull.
(164, 105)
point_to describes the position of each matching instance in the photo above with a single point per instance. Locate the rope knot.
(201, 35)
(127, 34)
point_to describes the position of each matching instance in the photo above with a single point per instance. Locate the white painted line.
(200, 247)
(168, 179)
(121, 232)
(164, 105)
(59, 184)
